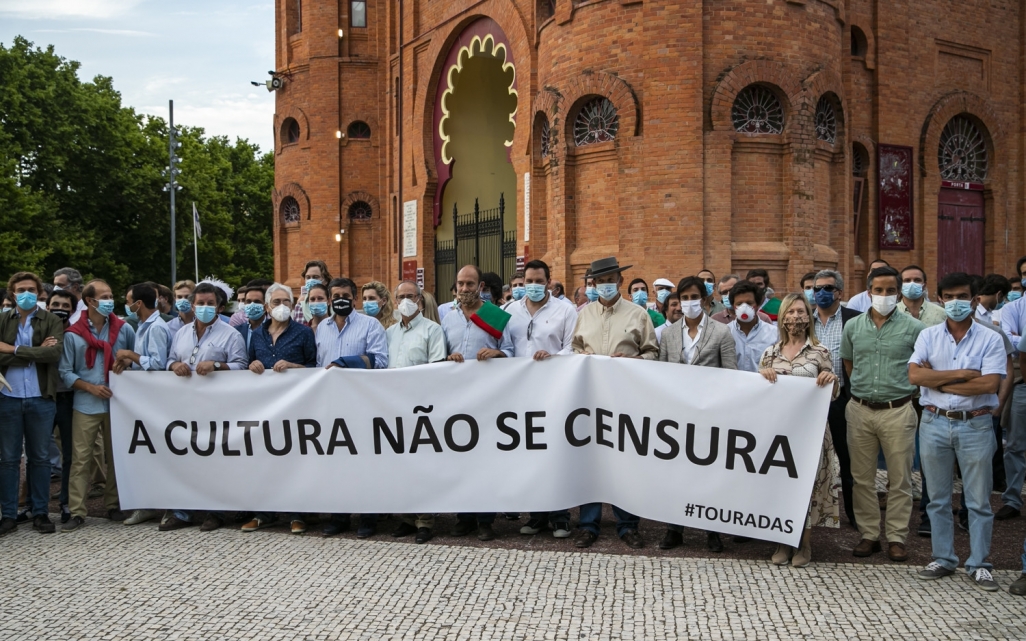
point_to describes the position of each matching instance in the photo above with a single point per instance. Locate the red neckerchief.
(93, 344)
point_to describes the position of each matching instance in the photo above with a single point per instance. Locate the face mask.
(468, 299)
(342, 306)
(726, 301)
(486, 296)
(27, 300)
(591, 293)
(810, 296)
(310, 282)
(282, 313)
(41, 305)
(691, 308)
(205, 313)
(62, 314)
(662, 295)
(105, 307)
(913, 291)
(796, 327)
(318, 309)
(708, 289)
(1014, 296)
(518, 292)
(408, 308)
(183, 305)
(130, 314)
(999, 305)
(745, 313)
(254, 311)
(884, 305)
(640, 297)
(958, 310)
(536, 293)
(607, 291)
(824, 298)
(371, 307)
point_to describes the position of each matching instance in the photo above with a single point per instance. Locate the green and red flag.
(491, 319)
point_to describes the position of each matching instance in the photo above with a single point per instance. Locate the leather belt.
(958, 416)
(888, 405)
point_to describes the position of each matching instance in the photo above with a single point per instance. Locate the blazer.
(715, 345)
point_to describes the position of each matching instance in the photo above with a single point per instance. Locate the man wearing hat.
(613, 327)
(663, 288)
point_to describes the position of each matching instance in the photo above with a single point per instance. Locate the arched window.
(757, 110)
(963, 152)
(359, 130)
(859, 160)
(546, 138)
(826, 120)
(289, 209)
(858, 42)
(597, 121)
(360, 211)
(546, 9)
(289, 131)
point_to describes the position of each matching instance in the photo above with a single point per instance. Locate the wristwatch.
(217, 365)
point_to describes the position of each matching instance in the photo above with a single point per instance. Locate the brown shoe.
(897, 551)
(1006, 512)
(584, 539)
(173, 523)
(633, 539)
(866, 547)
(212, 523)
(298, 527)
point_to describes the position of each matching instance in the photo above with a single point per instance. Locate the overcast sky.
(200, 53)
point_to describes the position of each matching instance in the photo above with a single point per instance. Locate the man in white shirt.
(861, 302)
(752, 336)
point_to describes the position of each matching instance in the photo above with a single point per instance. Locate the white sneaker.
(141, 516)
(984, 580)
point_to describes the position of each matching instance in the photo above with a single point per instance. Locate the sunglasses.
(825, 288)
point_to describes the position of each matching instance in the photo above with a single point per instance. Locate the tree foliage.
(81, 183)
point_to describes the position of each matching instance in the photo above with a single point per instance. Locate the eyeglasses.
(192, 359)
(825, 288)
(530, 328)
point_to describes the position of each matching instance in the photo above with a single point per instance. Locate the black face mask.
(342, 306)
(62, 314)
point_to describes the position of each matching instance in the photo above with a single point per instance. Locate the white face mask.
(745, 313)
(691, 308)
(281, 313)
(884, 305)
(407, 307)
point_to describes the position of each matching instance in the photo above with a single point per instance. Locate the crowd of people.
(915, 383)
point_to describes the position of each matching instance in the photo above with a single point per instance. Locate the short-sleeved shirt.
(978, 350)
(420, 342)
(295, 345)
(879, 357)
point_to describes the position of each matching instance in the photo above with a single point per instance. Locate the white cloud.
(51, 9)
(249, 117)
(110, 32)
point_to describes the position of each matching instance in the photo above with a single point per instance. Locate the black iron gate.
(479, 238)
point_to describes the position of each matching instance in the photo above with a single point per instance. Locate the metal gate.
(479, 238)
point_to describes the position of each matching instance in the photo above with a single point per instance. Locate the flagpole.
(195, 242)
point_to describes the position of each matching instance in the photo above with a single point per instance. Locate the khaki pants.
(421, 520)
(84, 430)
(894, 432)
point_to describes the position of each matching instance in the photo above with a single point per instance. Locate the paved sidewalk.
(109, 581)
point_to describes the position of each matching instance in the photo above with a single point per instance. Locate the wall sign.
(409, 228)
(895, 210)
(527, 207)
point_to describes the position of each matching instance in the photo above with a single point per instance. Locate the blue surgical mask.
(607, 291)
(958, 310)
(518, 292)
(254, 311)
(824, 298)
(371, 307)
(662, 295)
(640, 297)
(591, 293)
(726, 301)
(810, 296)
(486, 296)
(205, 313)
(535, 292)
(311, 282)
(105, 307)
(321, 308)
(1014, 296)
(183, 305)
(913, 291)
(129, 313)
(708, 289)
(26, 300)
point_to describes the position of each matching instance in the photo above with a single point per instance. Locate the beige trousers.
(84, 430)
(421, 520)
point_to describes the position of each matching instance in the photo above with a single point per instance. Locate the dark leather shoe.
(1006, 512)
(585, 538)
(41, 523)
(633, 539)
(170, 523)
(23, 517)
(424, 535)
(116, 515)
(365, 531)
(464, 528)
(713, 542)
(1018, 587)
(896, 551)
(336, 525)
(485, 532)
(671, 539)
(212, 523)
(404, 529)
(73, 524)
(866, 547)
(7, 526)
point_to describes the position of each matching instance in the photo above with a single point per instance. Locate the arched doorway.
(961, 221)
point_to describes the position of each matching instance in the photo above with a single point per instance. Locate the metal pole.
(477, 234)
(502, 237)
(195, 243)
(173, 185)
(401, 214)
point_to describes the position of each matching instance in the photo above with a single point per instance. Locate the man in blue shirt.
(1013, 323)
(958, 366)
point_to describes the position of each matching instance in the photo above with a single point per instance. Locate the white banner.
(701, 447)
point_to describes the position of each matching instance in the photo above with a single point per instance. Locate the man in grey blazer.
(695, 339)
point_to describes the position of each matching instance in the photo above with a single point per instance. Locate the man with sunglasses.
(541, 327)
(828, 322)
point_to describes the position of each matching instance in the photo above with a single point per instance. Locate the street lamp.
(171, 173)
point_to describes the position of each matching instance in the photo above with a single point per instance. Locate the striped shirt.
(360, 336)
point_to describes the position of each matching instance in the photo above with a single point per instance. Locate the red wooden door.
(960, 226)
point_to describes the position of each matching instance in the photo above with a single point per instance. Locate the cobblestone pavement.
(109, 581)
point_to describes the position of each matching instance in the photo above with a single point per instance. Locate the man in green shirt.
(913, 298)
(875, 348)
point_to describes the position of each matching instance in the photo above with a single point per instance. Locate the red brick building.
(729, 134)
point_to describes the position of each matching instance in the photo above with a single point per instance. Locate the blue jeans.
(1015, 450)
(971, 443)
(28, 421)
(591, 514)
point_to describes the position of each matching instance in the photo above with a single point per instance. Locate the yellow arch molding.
(494, 49)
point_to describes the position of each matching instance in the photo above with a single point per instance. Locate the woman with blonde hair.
(429, 308)
(798, 353)
(377, 303)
